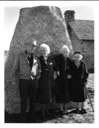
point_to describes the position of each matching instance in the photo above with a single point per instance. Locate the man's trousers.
(28, 89)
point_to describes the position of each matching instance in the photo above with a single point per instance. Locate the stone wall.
(5, 56)
(46, 25)
(87, 48)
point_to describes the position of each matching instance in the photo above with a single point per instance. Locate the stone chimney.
(69, 15)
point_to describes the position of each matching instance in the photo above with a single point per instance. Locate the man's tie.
(65, 63)
(30, 60)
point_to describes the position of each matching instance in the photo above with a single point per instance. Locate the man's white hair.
(46, 47)
(65, 47)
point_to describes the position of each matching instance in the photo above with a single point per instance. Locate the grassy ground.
(59, 118)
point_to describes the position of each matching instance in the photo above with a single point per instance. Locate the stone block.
(46, 25)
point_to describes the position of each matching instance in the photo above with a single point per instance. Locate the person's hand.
(58, 73)
(32, 74)
(38, 77)
(69, 76)
(50, 63)
(85, 83)
(55, 75)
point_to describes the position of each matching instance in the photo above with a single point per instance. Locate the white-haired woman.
(79, 79)
(45, 93)
(63, 80)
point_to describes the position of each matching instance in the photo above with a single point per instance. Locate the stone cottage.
(81, 33)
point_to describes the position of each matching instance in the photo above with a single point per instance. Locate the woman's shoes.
(64, 113)
(77, 111)
(83, 111)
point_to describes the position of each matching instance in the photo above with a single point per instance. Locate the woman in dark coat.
(79, 79)
(63, 80)
(46, 81)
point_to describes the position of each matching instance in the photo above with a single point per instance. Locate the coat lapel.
(42, 58)
(64, 63)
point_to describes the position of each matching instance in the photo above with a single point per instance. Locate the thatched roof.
(84, 29)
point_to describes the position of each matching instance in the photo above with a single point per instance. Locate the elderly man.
(27, 67)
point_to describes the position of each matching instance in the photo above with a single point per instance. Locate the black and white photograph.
(49, 62)
(49, 0)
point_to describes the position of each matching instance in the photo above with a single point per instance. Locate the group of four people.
(48, 79)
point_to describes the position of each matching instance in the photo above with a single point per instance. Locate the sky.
(11, 15)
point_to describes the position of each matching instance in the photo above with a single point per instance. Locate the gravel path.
(78, 118)
(59, 118)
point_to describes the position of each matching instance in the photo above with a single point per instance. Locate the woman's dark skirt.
(44, 94)
(62, 95)
(77, 92)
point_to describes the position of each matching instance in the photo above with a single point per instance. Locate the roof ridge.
(84, 29)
